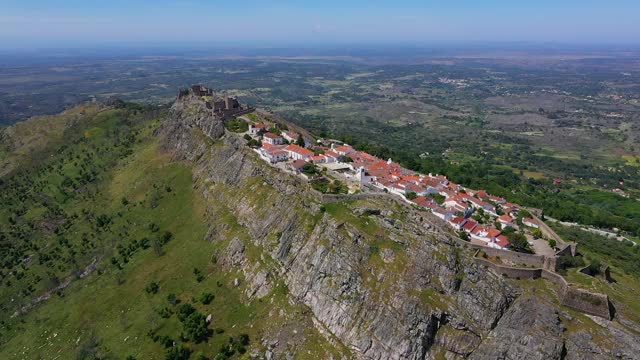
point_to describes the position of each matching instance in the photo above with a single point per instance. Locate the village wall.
(516, 257)
(331, 198)
(549, 233)
(556, 279)
(532, 260)
(566, 250)
(588, 302)
(577, 299)
(510, 272)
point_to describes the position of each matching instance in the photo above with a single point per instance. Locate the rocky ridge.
(382, 284)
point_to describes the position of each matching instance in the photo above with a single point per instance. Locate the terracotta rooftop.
(271, 136)
(299, 149)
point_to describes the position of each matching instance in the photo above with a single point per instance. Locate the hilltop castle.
(223, 107)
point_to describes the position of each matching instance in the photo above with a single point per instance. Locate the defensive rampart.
(577, 299)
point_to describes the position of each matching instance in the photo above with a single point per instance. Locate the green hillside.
(107, 195)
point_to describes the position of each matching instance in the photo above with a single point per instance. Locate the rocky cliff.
(380, 280)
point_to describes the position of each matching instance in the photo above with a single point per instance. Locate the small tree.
(199, 275)
(411, 195)
(206, 298)
(309, 169)
(152, 288)
(195, 327)
(519, 242)
(522, 213)
(172, 299)
(179, 352)
(552, 243)
(300, 141)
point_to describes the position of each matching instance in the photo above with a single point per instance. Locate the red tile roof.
(492, 232)
(470, 225)
(343, 148)
(271, 136)
(502, 241)
(300, 150)
(332, 154)
(479, 229)
(298, 164)
(505, 219)
(422, 201)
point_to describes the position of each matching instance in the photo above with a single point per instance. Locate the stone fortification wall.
(510, 272)
(578, 299)
(516, 257)
(588, 302)
(331, 198)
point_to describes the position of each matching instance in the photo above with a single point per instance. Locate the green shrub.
(179, 352)
(152, 287)
(206, 298)
(236, 125)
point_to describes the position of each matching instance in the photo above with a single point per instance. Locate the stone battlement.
(221, 106)
(578, 299)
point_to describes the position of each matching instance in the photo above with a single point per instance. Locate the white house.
(485, 234)
(363, 176)
(331, 156)
(298, 153)
(343, 150)
(290, 136)
(457, 222)
(254, 129)
(273, 154)
(505, 220)
(272, 139)
(531, 223)
(444, 214)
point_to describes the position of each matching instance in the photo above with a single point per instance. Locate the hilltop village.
(506, 238)
(334, 167)
(476, 215)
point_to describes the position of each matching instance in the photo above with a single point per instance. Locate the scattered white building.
(298, 153)
(290, 136)
(254, 129)
(530, 223)
(272, 139)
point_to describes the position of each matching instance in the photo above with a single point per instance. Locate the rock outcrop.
(386, 284)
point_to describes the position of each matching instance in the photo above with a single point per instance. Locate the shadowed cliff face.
(388, 286)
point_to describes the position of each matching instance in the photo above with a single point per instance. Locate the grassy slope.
(110, 314)
(28, 138)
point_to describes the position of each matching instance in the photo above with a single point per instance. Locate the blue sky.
(53, 23)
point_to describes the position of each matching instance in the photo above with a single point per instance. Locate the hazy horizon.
(81, 24)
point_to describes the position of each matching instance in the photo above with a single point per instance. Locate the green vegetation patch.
(236, 125)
